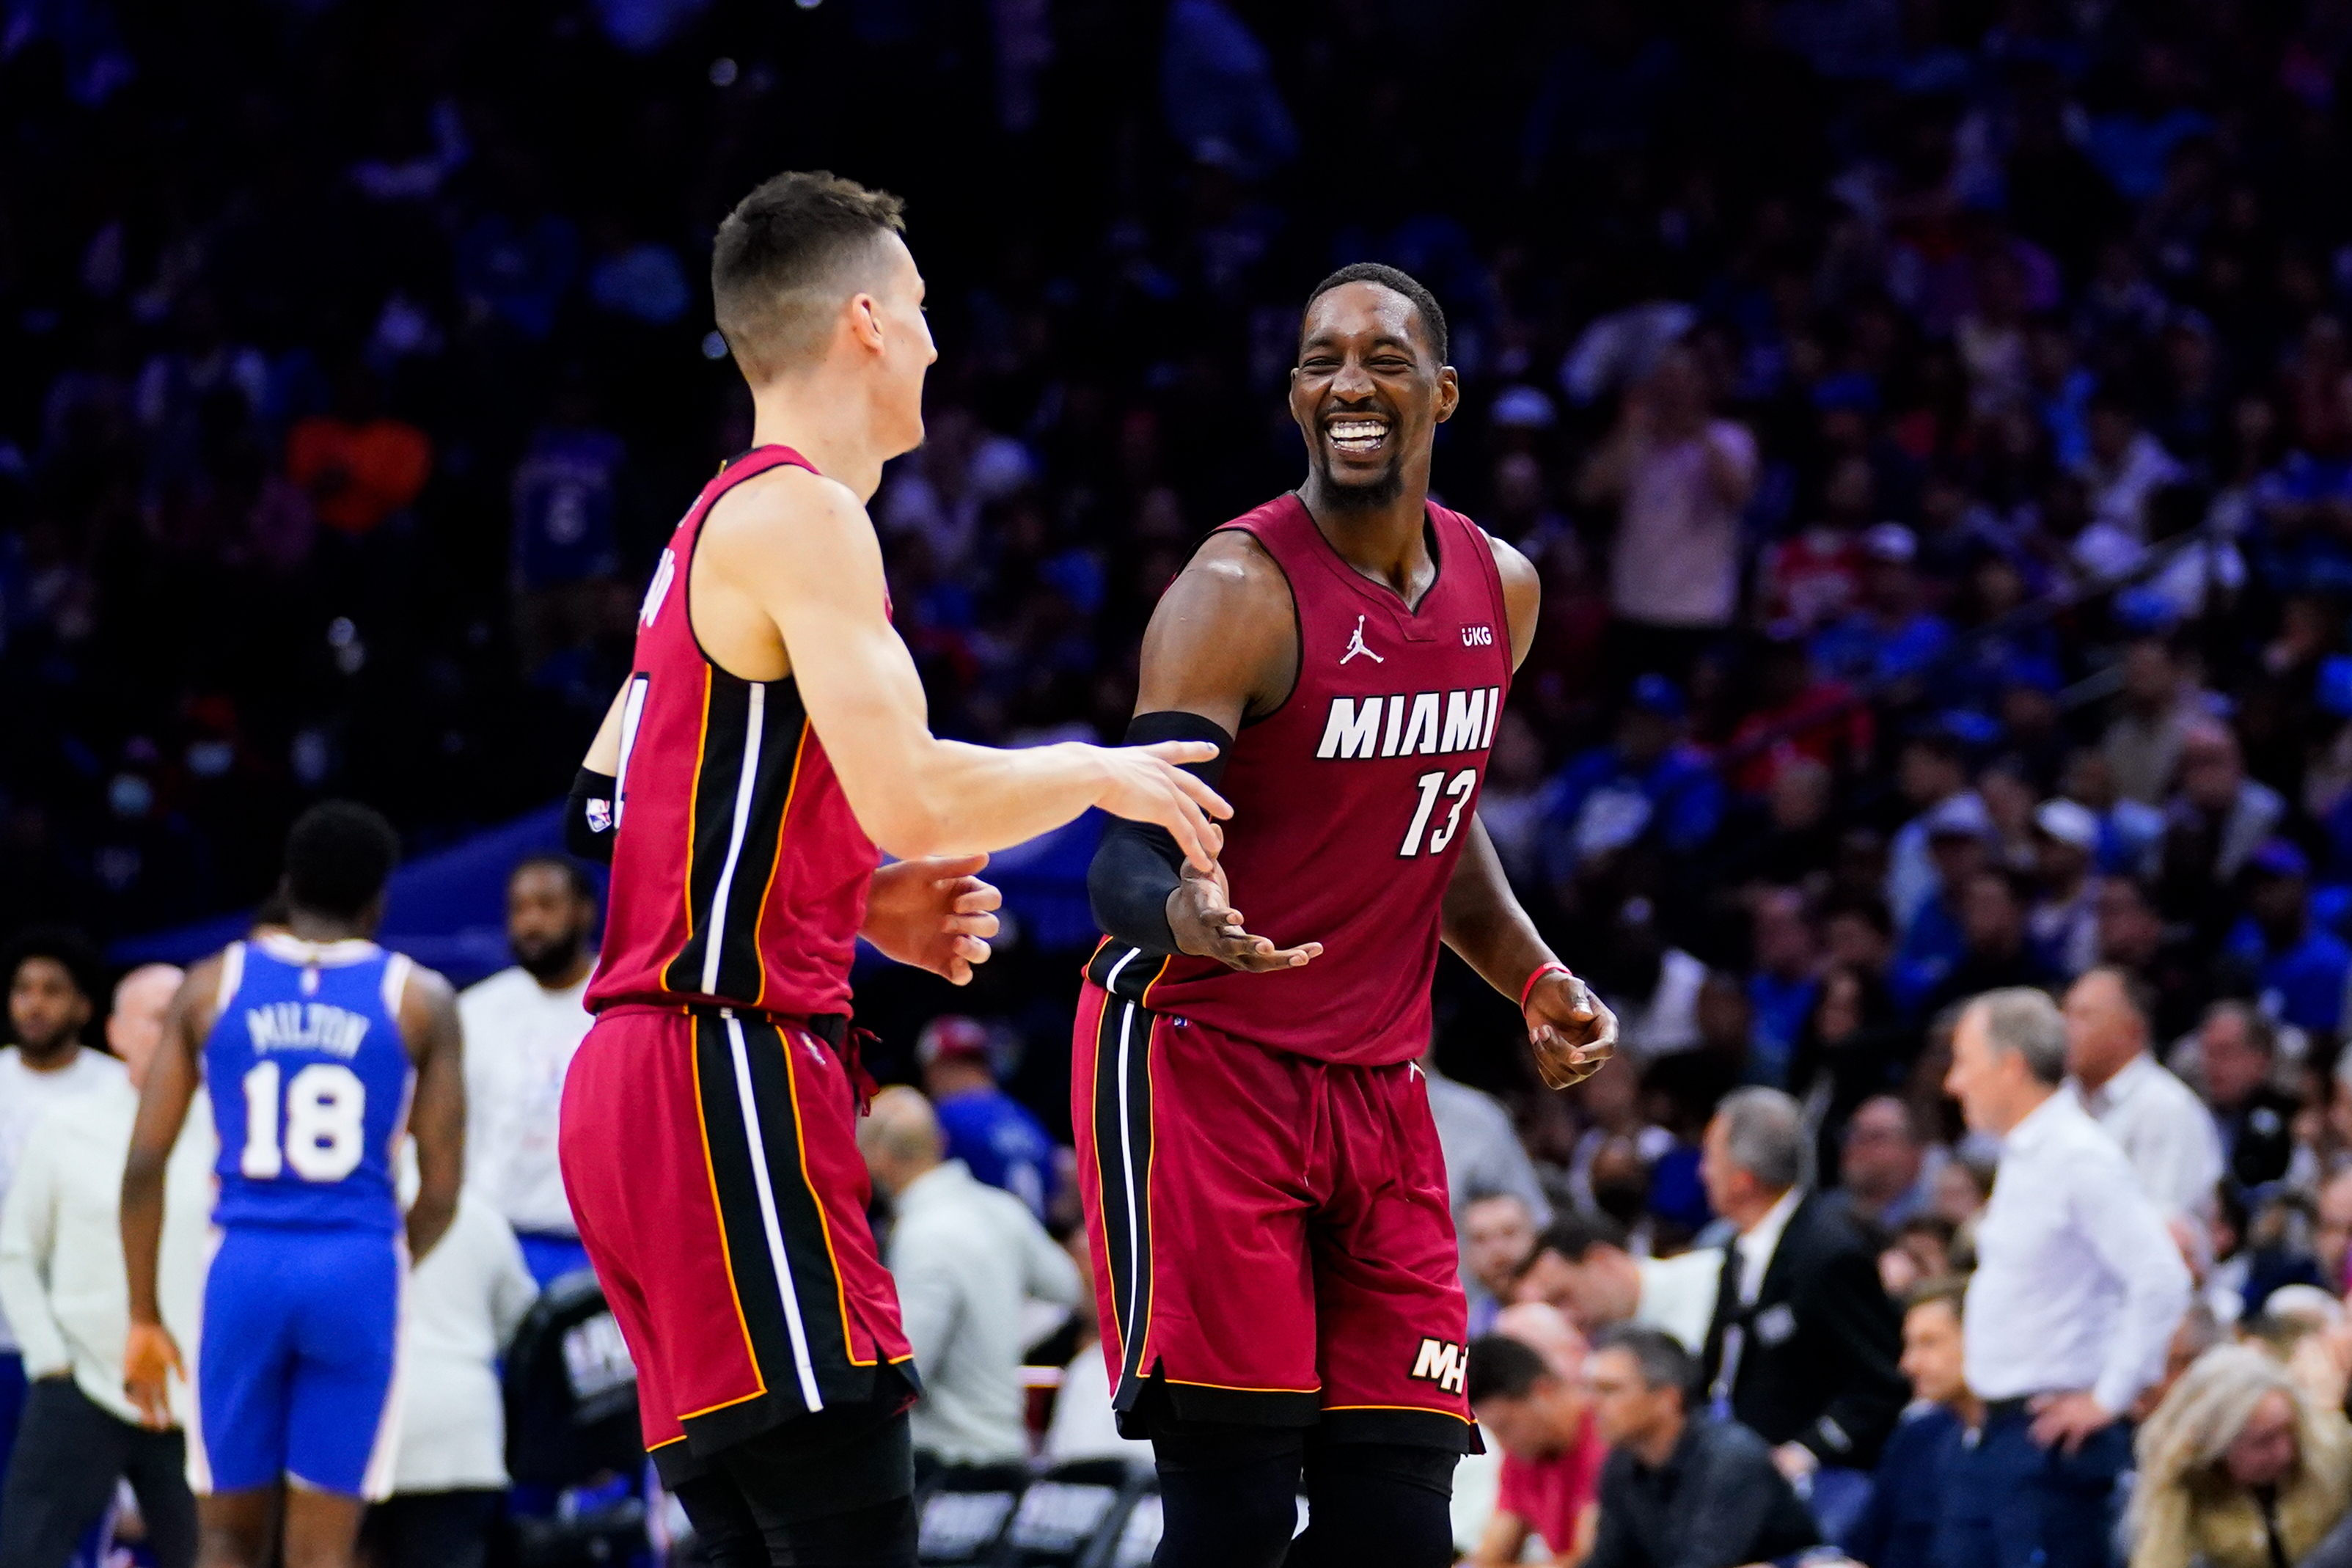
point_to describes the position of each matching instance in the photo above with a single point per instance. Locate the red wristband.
(1554, 967)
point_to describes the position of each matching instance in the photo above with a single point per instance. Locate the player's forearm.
(1482, 921)
(428, 1222)
(142, 1232)
(959, 799)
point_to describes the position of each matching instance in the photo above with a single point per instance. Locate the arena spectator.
(2216, 822)
(2157, 1119)
(2077, 1294)
(1582, 1270)
(2237, 1053)
(965, 1257)
(1483, 1156)
(996, 1136)
(2065, 922)
(1552, 1451)
(522, 1025)
(1901, 1526)
(1783, 984)
(62, 1284)
(1804, 1343)
(2300, 966)
(2143, 742)
(2239, 1468)
(1930, 771)
(357, 466)
(51, 979)
(1680, 1489)
(1499, 1237)
(1680, 477)
(1882, 1166)
(1652, 783)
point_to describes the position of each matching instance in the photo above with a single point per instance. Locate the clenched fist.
(1574, 1032)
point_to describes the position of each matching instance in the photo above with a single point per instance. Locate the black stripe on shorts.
(794, 1323)
(1122, 1140)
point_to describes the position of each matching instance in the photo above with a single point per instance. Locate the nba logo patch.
(600, 816)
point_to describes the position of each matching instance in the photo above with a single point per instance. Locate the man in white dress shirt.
(52, 982)
(966, 1258)
(2077, 1291)
(2163, 1129)
(522, 1025)
(62, 1283)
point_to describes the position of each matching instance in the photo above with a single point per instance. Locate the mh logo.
(1477, 636)
(1443, 1362)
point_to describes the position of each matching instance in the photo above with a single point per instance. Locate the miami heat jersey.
(1350, 801)
(739, 875)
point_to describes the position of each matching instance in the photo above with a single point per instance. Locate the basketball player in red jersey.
(1274, 1253)
(772, 734)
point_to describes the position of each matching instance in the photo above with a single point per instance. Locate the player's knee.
(1242, 1512)
(1378, 1502)
(233, 1532)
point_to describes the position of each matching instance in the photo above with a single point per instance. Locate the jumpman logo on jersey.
(1356, 645)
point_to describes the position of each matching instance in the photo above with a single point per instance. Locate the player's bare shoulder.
(198, 997)
(428, 1009)
(1522, 594)
(785, 504)
(1226, 627)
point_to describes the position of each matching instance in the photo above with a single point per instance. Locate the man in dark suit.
(1680, 1490)
(1804, 1344)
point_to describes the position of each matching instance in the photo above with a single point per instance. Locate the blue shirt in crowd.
(1899, 1526)
(2304, 982)
(1003, 1145)
(1781, 1008)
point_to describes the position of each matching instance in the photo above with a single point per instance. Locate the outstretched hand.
(934, 914)
(1149, 783)
(1574, 1032)
(1206, 923)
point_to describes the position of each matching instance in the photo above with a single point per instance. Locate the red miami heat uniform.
(1261, 1174)
(709, 1130)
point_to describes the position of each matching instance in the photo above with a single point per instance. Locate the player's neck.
(832, 430)
(1387, 542)
(321, 929)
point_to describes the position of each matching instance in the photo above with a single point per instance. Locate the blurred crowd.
(1932, 420)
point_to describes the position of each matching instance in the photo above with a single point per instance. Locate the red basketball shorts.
(1271, 1237)
(711, 1162)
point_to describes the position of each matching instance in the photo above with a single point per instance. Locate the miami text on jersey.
(1420, 723)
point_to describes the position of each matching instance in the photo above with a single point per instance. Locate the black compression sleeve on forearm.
(588, 815)
(1137, 865)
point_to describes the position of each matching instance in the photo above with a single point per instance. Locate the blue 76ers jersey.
(311, 1083)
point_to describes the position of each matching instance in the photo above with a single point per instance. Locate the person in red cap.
(992, 1133)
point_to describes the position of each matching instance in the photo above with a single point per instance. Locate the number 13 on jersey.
(1431, 785)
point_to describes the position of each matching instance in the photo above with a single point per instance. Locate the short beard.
(1371, 496)
(549, 963)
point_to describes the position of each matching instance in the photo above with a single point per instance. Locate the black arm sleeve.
(588, 815)
(1137, 865)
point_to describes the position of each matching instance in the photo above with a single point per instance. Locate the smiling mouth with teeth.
(1357, 435)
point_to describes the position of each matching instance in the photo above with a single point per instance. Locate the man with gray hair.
(2077, 1289)
(966, 1256)
(1804, 1344)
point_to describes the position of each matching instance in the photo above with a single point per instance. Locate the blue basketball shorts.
(297, 1359)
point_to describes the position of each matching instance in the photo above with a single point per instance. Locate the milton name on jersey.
(1417, 723)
